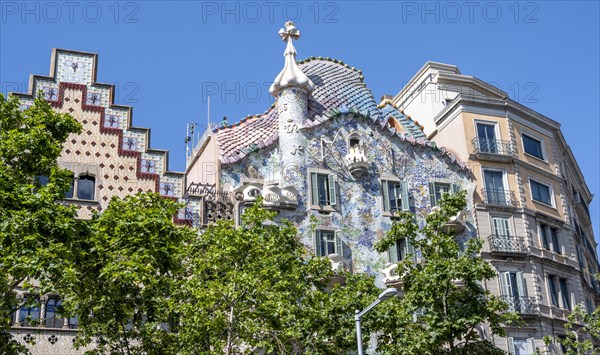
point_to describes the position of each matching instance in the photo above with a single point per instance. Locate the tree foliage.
(36, 232)
(582, 333)
(133, 260)
(444, 301)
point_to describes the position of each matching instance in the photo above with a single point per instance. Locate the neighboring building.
(109, 158)
(531, 200)
(338, 164)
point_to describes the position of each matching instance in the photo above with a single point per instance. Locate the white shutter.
(505, 285)
(315, 188)
(521, 287)
(501, 226)
(339, 246)
(511, 345)
(385, 195)
(404, 197)
(332, 195)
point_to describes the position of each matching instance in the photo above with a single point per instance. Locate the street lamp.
(384, 296)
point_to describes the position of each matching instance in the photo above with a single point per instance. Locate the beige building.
(531, 200)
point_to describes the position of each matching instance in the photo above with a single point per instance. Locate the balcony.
(507, 244)
(492, 149)
(521, 305)
(499, 197)
(356, 161)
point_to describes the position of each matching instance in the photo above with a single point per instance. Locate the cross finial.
(290, 31)
(291, 75)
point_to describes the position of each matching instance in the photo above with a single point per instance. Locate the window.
(540, 192)
(589, 305)
(564, 293)
(43, 180)
(533, 146)
(328, 242)
(439, 189)
(553, 290)
(549, 237)
(52, 317)
(579, 256)
(69, 194)
(399, 250)
(495, 193)
(29, 313)
(501, 227)
(486, 134)
(395, 196)
(520, 346)
(86, 187)
(73, 322)
(323, 189)
(514, 291)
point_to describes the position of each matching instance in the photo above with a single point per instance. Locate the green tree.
(582, 333)
(133, 260)
(36, 232)
(254, 287)
(444, 301)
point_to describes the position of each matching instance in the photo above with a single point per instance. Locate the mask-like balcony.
(356, 161)
(499, 197)
(273, 197)
(339, 265)
(391, 277)
(457, 224)
(521, 305)
(501, 244)
(492, 149)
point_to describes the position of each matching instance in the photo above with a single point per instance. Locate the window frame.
(496, 125)
(332, 198)
(338, 245)
(565, 293)
(86, 177)
(550, 192)
(552, 290)
(57, 303)
(540, 141)
(386, 207)
(453, 187)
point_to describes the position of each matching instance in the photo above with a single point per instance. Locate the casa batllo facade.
(326, 156)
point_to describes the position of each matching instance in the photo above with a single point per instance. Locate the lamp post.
(383, 296)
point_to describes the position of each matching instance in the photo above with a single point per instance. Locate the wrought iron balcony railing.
(522, 305)
(507, 244)
(492, 146)
(499, 197)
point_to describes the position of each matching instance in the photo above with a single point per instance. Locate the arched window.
(29, 313)
(52, 318)
(86, 187)
(354, 141)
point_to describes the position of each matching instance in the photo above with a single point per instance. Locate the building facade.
(530, 201)
(339, 164)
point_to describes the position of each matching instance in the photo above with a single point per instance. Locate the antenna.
(208, 113)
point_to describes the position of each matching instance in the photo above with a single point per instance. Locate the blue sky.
(166, 57)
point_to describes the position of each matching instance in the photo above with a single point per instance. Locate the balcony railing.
(492, 146)
(499, 197)
(522, 305)
(507, 244)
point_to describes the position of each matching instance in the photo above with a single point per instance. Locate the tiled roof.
(339, 90)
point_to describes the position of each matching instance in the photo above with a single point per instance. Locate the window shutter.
(393, 253)
(579, 256)
(454, 188)
(521, 284)
(318, 243)
(505, 289)
(332, 194)
(511, 345)
(531, 343)
(339, 246)
(404, 199)
(386, 195)
(315, 188)
(432, 194)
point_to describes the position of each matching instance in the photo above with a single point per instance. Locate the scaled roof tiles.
(339, 91)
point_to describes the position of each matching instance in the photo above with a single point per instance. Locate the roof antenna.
(208, 113)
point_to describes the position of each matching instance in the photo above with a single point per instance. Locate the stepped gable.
(110, 148)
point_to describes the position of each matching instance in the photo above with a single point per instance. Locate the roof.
(339, 92)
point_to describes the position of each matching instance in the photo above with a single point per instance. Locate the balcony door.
(486, 133)
(494, 186)
(513, 290)
(501, 228)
